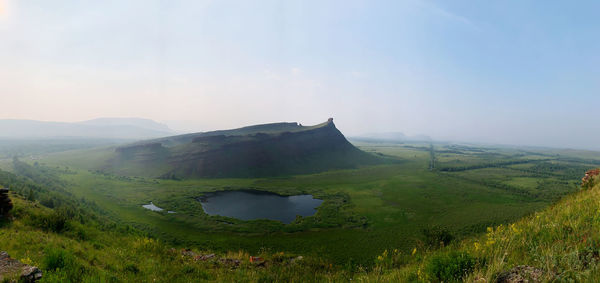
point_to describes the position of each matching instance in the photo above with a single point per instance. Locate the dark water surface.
(249, 205)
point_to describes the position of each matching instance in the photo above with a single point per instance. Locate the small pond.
(153, 207)
(251, 204)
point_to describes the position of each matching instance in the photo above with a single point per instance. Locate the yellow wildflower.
(27, 261)
(514, 228)
(414, 251)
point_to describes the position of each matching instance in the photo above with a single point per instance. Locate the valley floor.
(372, 225)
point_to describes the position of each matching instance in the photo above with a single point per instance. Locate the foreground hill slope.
(256, 151)
(69, 248)
(559, 244)
(72, 243)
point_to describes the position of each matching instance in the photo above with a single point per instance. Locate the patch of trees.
(570, 171)
(595, 162)
(431, 157)
(5, 202)
(483, 165)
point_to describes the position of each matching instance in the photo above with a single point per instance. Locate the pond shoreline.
(251, 204)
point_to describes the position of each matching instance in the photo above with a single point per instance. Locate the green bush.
(62, 266)
(57, 259)
(437, 236)
(130, 267)
(450, 267)
(55, 222)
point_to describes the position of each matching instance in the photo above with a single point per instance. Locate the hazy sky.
(515, 72)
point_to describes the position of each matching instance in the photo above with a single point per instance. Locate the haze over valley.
(299, 141)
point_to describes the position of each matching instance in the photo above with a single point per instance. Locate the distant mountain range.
(102, 128)
(257, 151)
(391, 137)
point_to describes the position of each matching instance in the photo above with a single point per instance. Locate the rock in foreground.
(12, 269)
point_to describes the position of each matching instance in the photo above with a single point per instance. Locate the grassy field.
(374, 225)
(557, 244)
(365, 210)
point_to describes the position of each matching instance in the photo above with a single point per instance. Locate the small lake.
(250, 205)
(153, 207)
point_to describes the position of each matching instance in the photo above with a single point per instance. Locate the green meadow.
(365, 211)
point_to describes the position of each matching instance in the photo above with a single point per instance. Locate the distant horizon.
(349, 136)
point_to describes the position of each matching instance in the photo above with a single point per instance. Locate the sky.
(504, 72)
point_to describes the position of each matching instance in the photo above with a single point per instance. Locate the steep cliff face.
(256, 151)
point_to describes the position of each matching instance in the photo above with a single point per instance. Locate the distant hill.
(104, 128)
(256, 151)
(133, 122)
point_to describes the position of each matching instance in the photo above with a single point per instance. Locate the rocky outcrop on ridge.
(14, 270)
(589, 176)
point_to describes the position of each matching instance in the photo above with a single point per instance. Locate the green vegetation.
(401, 221)
(365, 210)
(115, 255)
(450, 267)
(557, 244)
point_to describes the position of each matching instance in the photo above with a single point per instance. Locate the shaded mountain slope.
(256, 151)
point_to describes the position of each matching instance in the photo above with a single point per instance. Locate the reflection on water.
(250, 204)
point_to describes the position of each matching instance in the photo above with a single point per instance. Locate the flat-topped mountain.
(256, 151)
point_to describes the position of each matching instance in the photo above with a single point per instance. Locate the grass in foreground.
(561, 243)
(78, 253)
(557, 244)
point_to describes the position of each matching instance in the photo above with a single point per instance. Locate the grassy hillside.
(403, 205)
(559, 244)
(82, 252)
(556, 244)
(256, 151)
(71, 241)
